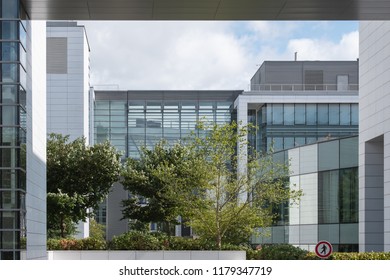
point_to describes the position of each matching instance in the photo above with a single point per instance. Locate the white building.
(68, 85)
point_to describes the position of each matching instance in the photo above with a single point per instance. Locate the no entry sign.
(323, 249)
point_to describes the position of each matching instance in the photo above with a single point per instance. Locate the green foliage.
(281, 252)
(96, 230)
(235, 201)
(352, 256)
(180, 243)
(135, 240)
(161, 177)
(76, 244)
(91, 243)
(60, 222)
(78, 178)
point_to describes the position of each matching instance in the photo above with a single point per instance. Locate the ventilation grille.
(57, 55)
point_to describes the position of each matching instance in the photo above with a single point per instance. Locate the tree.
(155, 180)
(234, 204)
(78, 178)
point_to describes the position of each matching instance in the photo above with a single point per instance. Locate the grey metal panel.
(208, 9)
(205, 95)
(57, 55)
(293, 72)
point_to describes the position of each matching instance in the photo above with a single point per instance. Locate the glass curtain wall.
(289, 125)
(12, 128)
(132, 124)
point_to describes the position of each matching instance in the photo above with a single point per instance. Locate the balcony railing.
(291, 87)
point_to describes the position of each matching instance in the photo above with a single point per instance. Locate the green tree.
(156, 180)
(234, 204)
(96, 230)
(78, 178)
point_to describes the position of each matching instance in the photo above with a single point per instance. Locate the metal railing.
(306, 87)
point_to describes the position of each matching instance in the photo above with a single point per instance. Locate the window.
(334, 114)
(299, 113)
(323, 114)
(277, 114)
(288, 114)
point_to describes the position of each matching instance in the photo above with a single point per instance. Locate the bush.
(180, 243)
(135, 240)
(93, 244)
(64, 244)
(281, 252)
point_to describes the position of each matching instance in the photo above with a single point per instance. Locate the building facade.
(134, 119)
(327, 175)
(22, 130)
(67, 79)
(67, 85)
(374, 137)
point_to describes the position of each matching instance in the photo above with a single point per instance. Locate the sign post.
(323, 249)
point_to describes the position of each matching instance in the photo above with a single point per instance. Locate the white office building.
(67, 82)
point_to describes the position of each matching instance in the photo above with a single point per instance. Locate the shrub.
(64, 244)
(135, 240)
(93, 244)
(281, 252)
(180, 243)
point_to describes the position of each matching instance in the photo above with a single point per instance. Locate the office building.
(374, 53)
(327, 174)
(133, 119)
(22, 134)
(67, 80)
(374, 137)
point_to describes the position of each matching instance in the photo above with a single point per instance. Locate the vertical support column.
(386, 198)
(36, 140)
(242, 146)
(371, 199)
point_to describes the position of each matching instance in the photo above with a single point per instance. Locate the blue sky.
(208, 55)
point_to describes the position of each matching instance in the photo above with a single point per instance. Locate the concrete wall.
(36, 141)
(146, 255)
(374, 131)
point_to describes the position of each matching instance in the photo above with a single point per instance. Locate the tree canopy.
(199, 180)
(156, 180)
(78, 178)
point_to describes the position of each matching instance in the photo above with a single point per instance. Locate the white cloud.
(320, 49)
(199, 55)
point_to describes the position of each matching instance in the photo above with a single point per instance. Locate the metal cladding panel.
(208, 9)
(211, 95)
(57, 55)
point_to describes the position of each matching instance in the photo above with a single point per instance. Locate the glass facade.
(328, 209)
(131, 120)
(289, 125)
(12, 128)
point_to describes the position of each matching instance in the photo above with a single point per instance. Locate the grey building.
(327, 174)
(374, 137)
(133, 119)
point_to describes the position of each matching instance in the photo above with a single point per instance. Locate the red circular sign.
(323, 249)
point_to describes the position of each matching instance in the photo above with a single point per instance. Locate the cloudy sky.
(207, 55)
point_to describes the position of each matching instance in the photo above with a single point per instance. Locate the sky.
(207, 55)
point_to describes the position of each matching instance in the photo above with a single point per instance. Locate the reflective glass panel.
(277, 114)
(328, 201)
(323, 114)
(299, 113)
(345, 114)
(311, 114)
(334, 114)
(288, 114)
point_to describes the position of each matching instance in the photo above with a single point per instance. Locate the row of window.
(308, 114)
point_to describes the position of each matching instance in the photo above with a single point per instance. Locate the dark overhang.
(208, 9)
